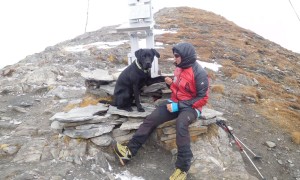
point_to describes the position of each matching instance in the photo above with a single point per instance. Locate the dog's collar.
(139, 66)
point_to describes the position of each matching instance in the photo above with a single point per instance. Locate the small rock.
(230, 128)
(270, 144)
(11, 149)
(6, 118)
(280, 162)
(56, 178)
(174, 151)
(104, 140)
(19, 109)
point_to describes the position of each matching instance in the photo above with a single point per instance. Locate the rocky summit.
(56, 121)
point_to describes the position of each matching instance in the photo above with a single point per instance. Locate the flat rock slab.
(31, 151)
(210, 113)
(148, 110)
(98, 74)
(132, 124)
(154, 87)
(79, 114)
(95, 131)
(109, 89)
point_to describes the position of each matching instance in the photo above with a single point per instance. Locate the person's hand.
(172, 107)
(168, 80)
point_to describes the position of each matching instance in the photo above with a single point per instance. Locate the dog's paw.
(129, 109)
(141, 109)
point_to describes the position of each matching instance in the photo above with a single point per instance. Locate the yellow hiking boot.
(122, 152)
(178, 175)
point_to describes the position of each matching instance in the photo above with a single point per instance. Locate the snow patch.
(99, 45)
(126, 175)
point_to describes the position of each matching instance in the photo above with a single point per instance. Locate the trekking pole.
(223, 125)
(255, 156)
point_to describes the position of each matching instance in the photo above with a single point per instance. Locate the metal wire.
(87, 15)
(294, 10)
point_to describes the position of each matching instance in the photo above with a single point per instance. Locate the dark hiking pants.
(159, 116)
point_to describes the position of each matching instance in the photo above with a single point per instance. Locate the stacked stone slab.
(166, 132)
(100, 123)
(103, 124)
(120, 125)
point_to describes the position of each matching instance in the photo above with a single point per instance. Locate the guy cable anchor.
(223, 125)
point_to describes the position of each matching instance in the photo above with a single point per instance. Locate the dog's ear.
(155, 53)
(137, 53)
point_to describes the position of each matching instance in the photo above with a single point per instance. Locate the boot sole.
(117, 153)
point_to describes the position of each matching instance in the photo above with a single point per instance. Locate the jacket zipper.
(178, 84)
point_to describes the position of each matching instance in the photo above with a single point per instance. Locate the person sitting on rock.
(189, 94)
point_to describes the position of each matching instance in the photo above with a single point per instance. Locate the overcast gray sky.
(30, 26)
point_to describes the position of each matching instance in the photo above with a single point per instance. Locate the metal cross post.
(140, 20)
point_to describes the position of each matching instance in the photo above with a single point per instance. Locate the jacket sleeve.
(202, 84)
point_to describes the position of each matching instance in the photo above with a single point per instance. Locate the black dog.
(133, 78)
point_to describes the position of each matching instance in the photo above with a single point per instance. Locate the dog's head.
(145, 57)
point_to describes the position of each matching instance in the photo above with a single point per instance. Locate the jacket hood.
(187, 53)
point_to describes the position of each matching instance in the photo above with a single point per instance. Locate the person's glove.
(198, 113)
(174, 107)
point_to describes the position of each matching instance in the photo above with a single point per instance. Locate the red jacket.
(190, 87)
